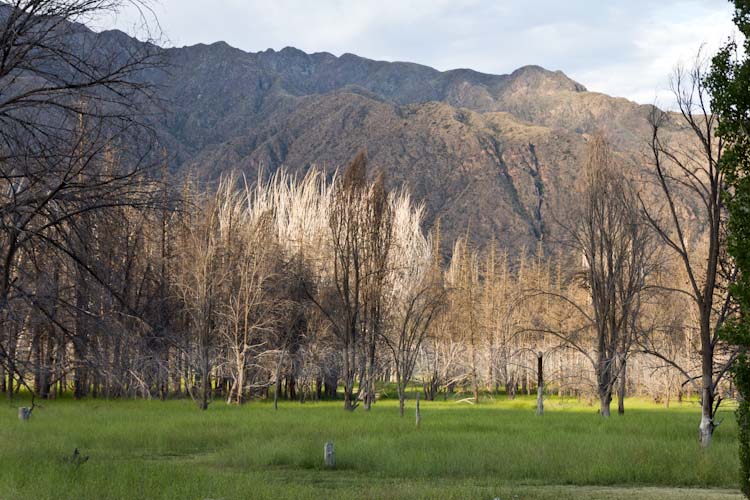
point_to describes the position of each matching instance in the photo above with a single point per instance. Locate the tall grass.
(151, 449)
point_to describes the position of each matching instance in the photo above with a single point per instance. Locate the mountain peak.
(537, 77)
(292, 51)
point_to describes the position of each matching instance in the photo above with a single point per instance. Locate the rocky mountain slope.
(491, 155)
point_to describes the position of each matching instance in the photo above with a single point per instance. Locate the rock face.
(494, 156)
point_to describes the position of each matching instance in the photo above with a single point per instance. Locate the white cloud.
(620, 47)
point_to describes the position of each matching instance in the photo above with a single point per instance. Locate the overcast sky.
(620, 47)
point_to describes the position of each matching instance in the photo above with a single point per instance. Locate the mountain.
(493, 156)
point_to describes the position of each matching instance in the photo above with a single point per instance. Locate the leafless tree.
(617, 252)
(66, 99)
(691, 185)
(378, 234)
(418, 295)
(462, 278)
(203, 279)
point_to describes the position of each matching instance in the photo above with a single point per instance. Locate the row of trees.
(305, 285)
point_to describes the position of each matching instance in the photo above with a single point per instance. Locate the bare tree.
(203, 279)
(691, 184)
(464, 293)
(417, 292)
(250, 311)
(341, 299)
(65, 99)
(617, 254)
(378, 233)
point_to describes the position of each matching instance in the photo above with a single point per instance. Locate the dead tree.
(378, 231)
(203, 281)
(55, 73)
(464, 293)
(617, 252)
(418, 297)
(690, 182)
(341, 298)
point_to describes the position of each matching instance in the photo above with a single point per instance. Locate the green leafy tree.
(729, 83)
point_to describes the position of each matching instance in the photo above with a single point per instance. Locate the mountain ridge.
(498, 154)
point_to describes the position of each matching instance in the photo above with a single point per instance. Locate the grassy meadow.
(498, 449)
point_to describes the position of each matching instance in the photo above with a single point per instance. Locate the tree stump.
(24, 413)
(418, 414)
(328, 458)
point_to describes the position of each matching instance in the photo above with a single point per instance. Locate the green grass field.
(499, 449)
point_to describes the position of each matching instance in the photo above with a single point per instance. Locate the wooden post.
(539, 385)
(328, 458)
(418, 414)
(24, 413)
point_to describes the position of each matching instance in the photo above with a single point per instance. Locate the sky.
(625, 48)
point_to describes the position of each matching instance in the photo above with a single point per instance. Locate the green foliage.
(169, 450)
(729, 84)
(742, 378)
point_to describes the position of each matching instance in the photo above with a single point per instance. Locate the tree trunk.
(401, 398)
(349, 358)
(604, 379)
(80, 341)
(370, 374)
(331, 382)
(706, 428)
(318, 388)
(205, 383)
(621, 389)
(539, 385)
(604, 402)
(291, 383)
(511, 387)
(11, 365)
(277, 389)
